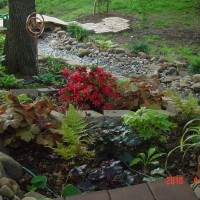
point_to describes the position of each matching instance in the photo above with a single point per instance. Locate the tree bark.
(20, 47)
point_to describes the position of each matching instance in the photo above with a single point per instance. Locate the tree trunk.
(20, 47)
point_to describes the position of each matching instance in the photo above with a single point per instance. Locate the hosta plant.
(94, 89)
(148, 124)
(21, 122)
(146, 160)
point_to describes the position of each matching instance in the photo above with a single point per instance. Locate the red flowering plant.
(94, 89)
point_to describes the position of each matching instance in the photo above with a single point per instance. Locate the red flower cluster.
(90, 90)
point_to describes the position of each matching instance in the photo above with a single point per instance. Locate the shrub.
(95, 89)
(194, 66)
(136, 47)
(78, 32)
(148, 123)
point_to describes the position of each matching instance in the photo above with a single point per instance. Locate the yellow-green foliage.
(75, 140)
(4, 97)
(186, 107)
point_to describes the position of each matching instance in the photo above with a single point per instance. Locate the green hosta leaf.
(150, 179)
(25, 134)
(135, 161)
(31, 188)
(151, 152)
(157, 171)
(70, 190)
(40, 182)
(142, 155)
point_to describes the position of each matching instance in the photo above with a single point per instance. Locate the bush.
(194, 67)
(95, 89)
(78, 32)
(136, 47)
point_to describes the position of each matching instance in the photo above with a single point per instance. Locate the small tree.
(20, 48)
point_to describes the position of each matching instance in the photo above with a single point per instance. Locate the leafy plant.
(78, 32)
(155, 174)
(70, 190)
(194, 66)
(2, 42)
(3, 3)
(47, 79)
(4, 97)
(136, 47)
(90, 90)
(23, 98)
(106, 175)
(188, 108)
(8, 81)
(38, 182)
(148, 123)
(146, 160)
(141, 92)
(21, 122)
(114, 141)
(75, 141)
(105, 44)
(189, 139)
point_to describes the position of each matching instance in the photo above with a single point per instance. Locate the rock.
(3, 148)
(87, 45)
(142, 55)
(74, 43)
(16, 198)
(154, 74)
(30, 92)
(196, 87)
(119, 50)
(10, 183)
(83, 52)
(170, 79)
(180, 64)
(196, 78)
(162, 59)
(53, 43)
(20, 194)
(11, 167)
(61, 34)
(183, 83)
(29, 198)
(34, 194)
(171, 71)
(72, 40)
(183, 73)
(68, 47)
(6, 192)
(114, 46)
(56, 30)
(153, 59)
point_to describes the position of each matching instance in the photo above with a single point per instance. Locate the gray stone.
(83, 52)
(53, 43)
(30, 92)
(183, 83)
(61, 34)
(162, 59)
(29, 198)
(196, 87)
(47, 91)
(74, 43)
(180, 64)
(154, 74)
(57, 118)
(20, 194)
(72, 40)
(196, 78)
(1, 198)
(68, 47)
(115, 115)
(56, 30)
(91, 115)
(170, 79)
(35, 195)
(142, 55)
(6, 192)
(183, 73)
(10, 183)
(3, 148)
(85, 46)
(12, 168)
(119, 50)
(16, 198)
(171, 71)
(169, 114)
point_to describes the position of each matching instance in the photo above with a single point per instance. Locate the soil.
(43, 161)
